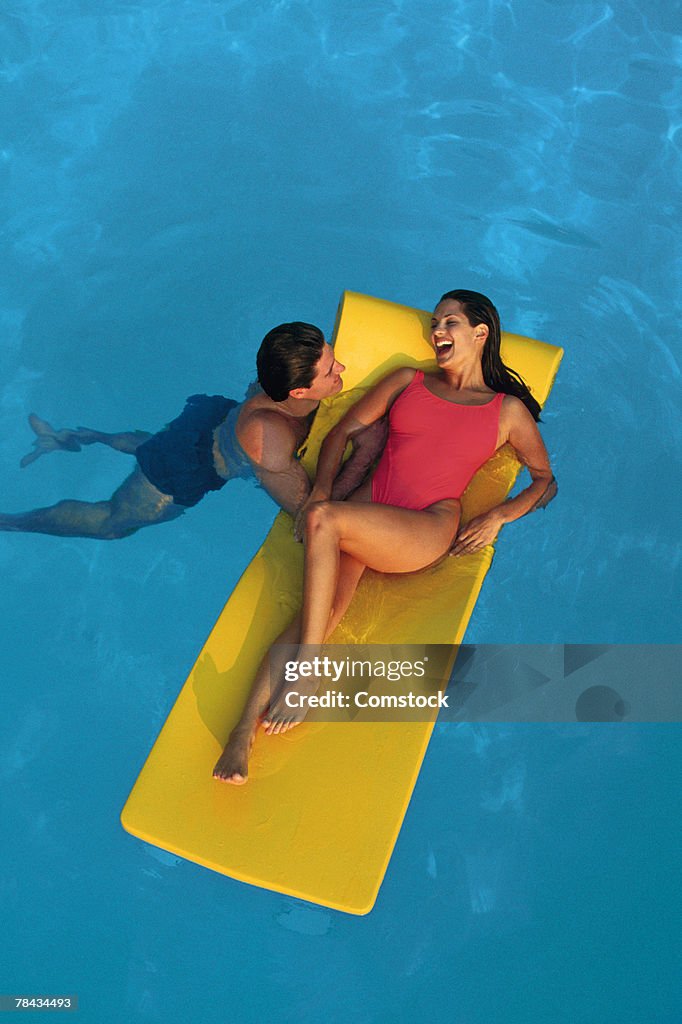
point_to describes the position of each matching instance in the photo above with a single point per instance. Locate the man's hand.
(478, 533)
(367, 447)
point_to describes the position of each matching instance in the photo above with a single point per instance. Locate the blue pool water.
(176, 177)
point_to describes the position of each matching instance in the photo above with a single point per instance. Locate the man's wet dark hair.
(478, 309)
(287, 358)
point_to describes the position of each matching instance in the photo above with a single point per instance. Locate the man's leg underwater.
(136, 503)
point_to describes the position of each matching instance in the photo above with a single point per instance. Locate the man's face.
(327, 380)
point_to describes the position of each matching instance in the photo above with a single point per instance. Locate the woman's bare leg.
(381, 537)
(232, 766)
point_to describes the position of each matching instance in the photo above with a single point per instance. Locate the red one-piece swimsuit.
(434, 447)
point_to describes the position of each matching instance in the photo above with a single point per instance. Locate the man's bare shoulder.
(261, 413)
(268, 437)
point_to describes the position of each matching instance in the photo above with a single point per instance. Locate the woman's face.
(452, 336)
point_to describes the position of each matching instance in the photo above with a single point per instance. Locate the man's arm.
(372, 407)
(289, 487)
(270, 443)
(288, 484)
(367, 447)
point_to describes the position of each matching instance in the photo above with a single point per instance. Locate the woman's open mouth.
(443, 348)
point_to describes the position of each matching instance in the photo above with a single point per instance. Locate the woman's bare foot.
(233, 764)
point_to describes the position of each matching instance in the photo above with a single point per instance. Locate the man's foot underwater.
(50, 440)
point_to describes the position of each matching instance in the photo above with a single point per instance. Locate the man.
(214, 439)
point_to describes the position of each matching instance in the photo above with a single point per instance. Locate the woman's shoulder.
(399, 380)
(379, 398)
(512, 402)
(403, 375)
(396, 380)
(514, 410)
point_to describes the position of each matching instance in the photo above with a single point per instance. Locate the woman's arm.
(370, 408)
(523, 435)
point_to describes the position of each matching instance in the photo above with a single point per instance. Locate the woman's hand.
(478, 533)
(299, 521)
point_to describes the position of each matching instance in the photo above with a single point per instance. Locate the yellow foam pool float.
(324, 803)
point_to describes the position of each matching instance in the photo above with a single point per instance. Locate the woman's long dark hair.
(478, 309)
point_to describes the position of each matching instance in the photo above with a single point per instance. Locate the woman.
(442, 428)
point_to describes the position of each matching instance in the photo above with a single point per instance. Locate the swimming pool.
(177, 178)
